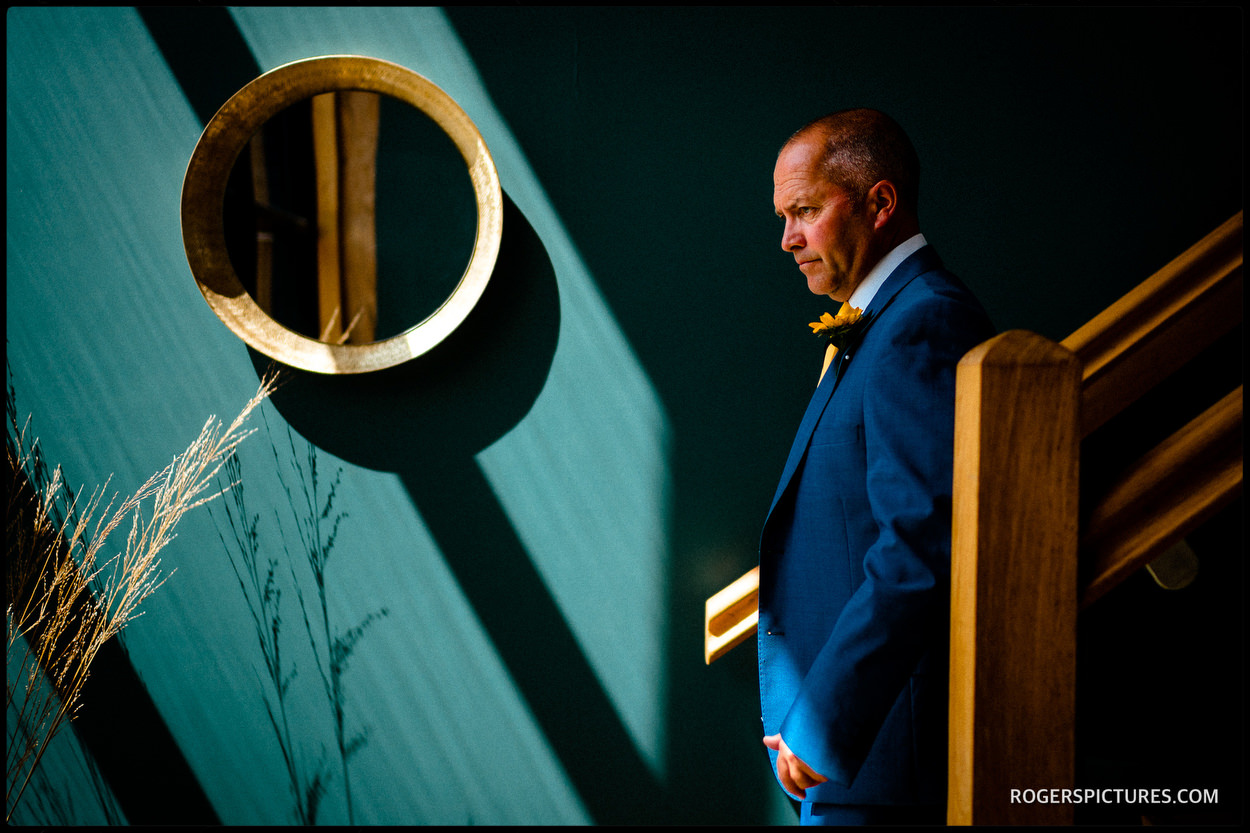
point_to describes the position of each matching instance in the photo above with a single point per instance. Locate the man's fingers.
(802, 775)
(786, 775)
(795, 775)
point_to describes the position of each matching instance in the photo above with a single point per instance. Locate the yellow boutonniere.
(839, 329)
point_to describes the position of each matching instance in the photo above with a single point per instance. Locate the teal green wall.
(531, 517)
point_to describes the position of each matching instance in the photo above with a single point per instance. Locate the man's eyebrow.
(791, 205)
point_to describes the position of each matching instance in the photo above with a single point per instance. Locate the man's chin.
(822, 285)
(817, 285)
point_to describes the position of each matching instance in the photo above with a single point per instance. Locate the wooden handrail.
(1164, 496)
(731, 616)
(1156, 327)
(1124, 352)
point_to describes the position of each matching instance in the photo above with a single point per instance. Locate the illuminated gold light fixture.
(204, 193)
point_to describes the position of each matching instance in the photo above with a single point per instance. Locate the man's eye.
(806, 210)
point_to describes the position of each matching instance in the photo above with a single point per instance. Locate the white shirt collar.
(864, 293)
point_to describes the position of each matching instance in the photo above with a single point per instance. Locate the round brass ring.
(204, 191)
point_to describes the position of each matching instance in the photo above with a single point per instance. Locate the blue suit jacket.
(855, 553)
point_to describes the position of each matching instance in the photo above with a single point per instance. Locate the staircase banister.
(1164, 496)
(1156, 327)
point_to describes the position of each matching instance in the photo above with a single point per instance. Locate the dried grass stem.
(65, 596)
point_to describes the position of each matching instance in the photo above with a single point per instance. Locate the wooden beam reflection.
(345, 144)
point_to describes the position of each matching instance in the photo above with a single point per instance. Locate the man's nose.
(790, 238)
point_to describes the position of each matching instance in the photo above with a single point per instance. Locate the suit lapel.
(920, 261)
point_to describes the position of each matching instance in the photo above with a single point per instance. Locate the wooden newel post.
(1013, 581)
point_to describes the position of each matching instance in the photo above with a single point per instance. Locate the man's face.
(829, 236)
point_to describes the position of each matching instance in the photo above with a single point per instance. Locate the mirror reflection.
(350, 217)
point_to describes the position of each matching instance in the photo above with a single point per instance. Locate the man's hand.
(795, 775)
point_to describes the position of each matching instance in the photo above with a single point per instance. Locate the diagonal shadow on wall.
(159, 786)
(426, 420)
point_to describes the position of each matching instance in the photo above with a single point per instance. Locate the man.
(855, 552)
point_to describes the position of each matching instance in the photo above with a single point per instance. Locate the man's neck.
(863, 294)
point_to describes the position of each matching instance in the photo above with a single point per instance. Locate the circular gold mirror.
(297, 267)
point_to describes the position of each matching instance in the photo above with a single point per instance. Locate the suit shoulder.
(939, 283)
(937, 299)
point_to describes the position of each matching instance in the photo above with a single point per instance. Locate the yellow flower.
(839, 328)
(825, 322)
(846, 317)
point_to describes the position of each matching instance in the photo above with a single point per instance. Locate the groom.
(855, 552)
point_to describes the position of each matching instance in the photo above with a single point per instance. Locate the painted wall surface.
(519, 530)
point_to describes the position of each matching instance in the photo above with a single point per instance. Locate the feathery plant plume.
(49, 804)
(65, 597)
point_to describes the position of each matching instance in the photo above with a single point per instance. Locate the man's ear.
(882, 202)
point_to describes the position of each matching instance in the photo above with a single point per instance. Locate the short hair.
(863, 147)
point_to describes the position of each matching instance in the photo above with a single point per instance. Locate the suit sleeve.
(901, 610)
